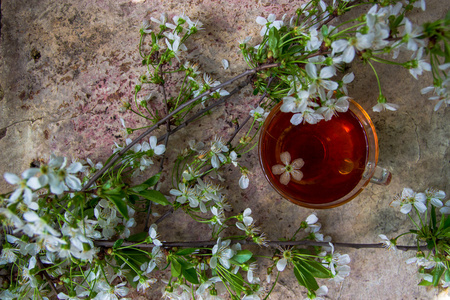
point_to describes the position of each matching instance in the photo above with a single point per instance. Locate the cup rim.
(371, 161)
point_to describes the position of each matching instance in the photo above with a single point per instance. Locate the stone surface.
(67, 64)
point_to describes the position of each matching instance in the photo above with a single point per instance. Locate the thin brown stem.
(273, 244)
(44, 272)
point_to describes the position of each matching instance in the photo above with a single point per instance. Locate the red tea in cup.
(339, 156)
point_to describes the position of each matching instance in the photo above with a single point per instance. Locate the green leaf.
(242, 256)
(425, 283)
(117, 191)
(191, 275)
(447, 275)
(443, 233)
(325, 30)
(185, 251)
(133, 198)
(89, 213)
(447, 52)
(430, 244)
(184, 263)
(446, 223)
(120, 204)
(146, 184)
(437, 273)
(315, 268)
(138, 237)
(138, 188)
(118, 243)
(175, 268)
(152, 180)
(433, 219)
(154, 196)
(136, 260)
(304, 277)
(236, 281)
(274, 38)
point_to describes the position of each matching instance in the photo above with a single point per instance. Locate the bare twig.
(273, 244)
(44, 272)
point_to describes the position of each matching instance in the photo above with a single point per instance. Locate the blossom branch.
(206, 109)
(201, 112)
(264, 95)
(167, 117)
(166, 140)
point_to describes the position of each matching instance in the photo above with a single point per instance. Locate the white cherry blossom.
(349, 47)
(289, 169)
(268, 23)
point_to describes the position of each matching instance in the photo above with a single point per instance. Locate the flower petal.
(298, 163)
(213, 262)
(420, 207)
(243, 182)
(296, 119)
(34, 183)
(278, 169)
(30, 173)
(311, 70)
(281, 264)
(75, 167)
(285, 158)
(327, 72)
(406, 208)
(285, 178)
(11, 178)
(348, 55)
(73, 182)
(436, 202)
(297, 175)
(311, 219)
(160, 149)
(261, 20)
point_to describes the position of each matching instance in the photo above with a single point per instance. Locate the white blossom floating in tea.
(288, 169)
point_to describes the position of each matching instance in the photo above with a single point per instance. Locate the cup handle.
(381, 176)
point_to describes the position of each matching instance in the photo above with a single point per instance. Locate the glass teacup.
(321, 165)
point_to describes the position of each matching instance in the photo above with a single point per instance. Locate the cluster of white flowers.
(250, 229)
(259, 114)
(174, 33)
(222, 253)
(315, 96)
(203, 84)
(442, 91)
(56, 237)
(140, 155)
(433, 232)
(337, 263)
(204, 196)
(408, 199)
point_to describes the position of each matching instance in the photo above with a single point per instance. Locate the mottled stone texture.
(67, 64)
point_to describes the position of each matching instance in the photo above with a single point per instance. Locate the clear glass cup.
(336, 166)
